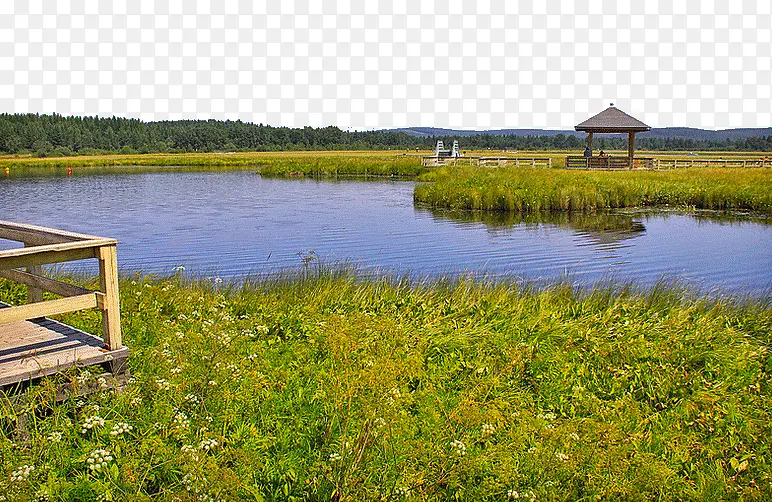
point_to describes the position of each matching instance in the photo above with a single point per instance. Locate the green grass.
(534, 190)
(321, 164)
(328, 387)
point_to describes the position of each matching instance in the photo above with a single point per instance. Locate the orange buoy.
(69, 171)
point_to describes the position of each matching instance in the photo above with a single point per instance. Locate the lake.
(233, 224)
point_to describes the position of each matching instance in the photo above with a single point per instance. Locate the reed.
(325, 386)
(534, 190)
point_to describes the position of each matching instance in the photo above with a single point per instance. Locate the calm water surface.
(231, 224)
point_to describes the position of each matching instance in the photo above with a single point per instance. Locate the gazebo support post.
(589, 140)
(630, 146)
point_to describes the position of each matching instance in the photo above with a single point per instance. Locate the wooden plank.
(32, 366)
(44, 283)
(51, 253)
(108, 278)
(36, 236)
(47, 308)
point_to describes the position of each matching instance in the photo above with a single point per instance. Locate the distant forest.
(55, 135)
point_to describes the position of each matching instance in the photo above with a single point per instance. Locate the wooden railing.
(680, 163)
(608, 163)
(45, 246)
(434, 161)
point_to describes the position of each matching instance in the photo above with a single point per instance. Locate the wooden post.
(630, 146)
(108, 277)
(34, 295)
(589, 140)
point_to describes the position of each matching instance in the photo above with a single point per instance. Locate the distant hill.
(661, 132)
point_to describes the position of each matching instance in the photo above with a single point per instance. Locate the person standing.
(587, 152)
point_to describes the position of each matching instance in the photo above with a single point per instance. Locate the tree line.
(56, 135)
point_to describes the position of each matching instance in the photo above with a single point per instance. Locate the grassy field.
(322, 164)
(326, 387)
(533, 190)
(315, 163)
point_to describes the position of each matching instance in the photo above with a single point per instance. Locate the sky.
(385, 64)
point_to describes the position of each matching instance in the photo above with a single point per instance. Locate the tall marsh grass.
(329, 387)
(534, 190)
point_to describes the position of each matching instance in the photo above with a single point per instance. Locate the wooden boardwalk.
(43, 347)
(32, 346)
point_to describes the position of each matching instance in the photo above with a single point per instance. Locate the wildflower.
(488, 430)
(261, 330)
(102, 382)
(561, 456)
(335, 456)
(121, 428)
(136, 400)
(91, 422)
(162, 383)
(98, 460)
(181, 420)
(459, 447)
(55, 437)
(192, 398)
(218, 280)
(212, 383)
(402, 491)
(526, 495)
(84, 377)
(235, 370)
(574, 436)
(22, 473)
(548, 416)
(178, 268)
(42, 495)
(252, 357)
(175, 371)
(208, 444)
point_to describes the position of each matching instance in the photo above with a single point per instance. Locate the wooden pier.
(33, 346)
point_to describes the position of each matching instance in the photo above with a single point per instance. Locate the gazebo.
(614, 121)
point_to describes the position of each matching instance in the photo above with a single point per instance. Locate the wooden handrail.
(46, 245)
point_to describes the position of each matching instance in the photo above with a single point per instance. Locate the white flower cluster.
(547, 416)
(224, 338)
(208, 444)
(181, 420)
(121, 428)
(191, 451)
(22, 473)
(98, 460)
(91, 422)
(335, 457)
(55, 437)
(235, 370)
(459, 447)
(192, 398)
(84, 377)
(525, 495)
(162, 383)
(488, 430)
(402, 491)
(561, 456)
(175, 371)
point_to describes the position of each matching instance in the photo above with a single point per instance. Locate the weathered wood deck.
(43, 347)
(33, 346)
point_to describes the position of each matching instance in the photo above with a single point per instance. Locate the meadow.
(527, 190)
(326, 386)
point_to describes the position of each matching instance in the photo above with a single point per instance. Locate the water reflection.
(601, 228)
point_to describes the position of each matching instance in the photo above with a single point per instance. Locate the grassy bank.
(328, 388)
(357, 163)
(533, 190)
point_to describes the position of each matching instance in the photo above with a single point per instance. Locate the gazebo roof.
(612, 120)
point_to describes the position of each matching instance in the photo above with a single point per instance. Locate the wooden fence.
(681, 163)
(433, 161)
(608, 163)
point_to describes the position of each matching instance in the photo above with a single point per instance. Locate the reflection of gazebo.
(615, 121)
